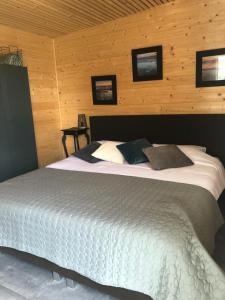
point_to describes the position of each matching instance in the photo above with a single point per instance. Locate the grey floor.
(23, 280)
(23, 277)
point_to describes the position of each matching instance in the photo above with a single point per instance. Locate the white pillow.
(104, 141)
(109, 152)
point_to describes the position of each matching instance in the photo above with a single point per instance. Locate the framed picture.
(210, 68)
(147, 63)
(104, 90)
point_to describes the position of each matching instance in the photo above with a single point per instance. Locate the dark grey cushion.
(132, 151)
(85, 153)
(165, 157)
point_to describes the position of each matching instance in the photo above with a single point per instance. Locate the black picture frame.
(104, 90)
(207, 67)
(151, 68)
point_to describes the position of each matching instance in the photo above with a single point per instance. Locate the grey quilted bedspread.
(145, 235)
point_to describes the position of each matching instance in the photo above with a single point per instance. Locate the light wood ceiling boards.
(57, 17)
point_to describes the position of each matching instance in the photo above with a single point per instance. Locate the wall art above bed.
(147, 63)
(104, 90)
(210, 68)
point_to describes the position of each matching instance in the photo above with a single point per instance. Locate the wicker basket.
(11, 55)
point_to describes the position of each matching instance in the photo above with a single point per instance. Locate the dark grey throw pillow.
(85, 153)
(132, 151)
(166, 157)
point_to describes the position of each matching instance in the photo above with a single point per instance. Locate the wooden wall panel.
(182, 27)
(39, 58)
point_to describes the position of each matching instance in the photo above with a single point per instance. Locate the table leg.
(64, 145)
(87, 138)
(76, 141)
(75, 138)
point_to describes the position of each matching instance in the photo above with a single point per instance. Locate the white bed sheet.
(207, 171)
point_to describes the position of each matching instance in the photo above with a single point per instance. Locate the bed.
(123, 226)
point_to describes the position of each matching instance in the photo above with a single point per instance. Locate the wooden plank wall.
(39, 58)
(182, 27)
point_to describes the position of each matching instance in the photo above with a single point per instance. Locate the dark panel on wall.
(17, 141)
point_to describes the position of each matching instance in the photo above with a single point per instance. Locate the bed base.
(72, 279)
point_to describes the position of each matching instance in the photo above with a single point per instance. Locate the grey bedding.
(146, 235)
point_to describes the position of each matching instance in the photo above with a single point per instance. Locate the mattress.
(207, 171)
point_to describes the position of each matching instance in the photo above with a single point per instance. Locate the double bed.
(123, 225)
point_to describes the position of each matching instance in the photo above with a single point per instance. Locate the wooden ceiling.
(57, 17)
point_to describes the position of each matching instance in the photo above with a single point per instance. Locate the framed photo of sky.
(210, 68)
(147, 63)
(104, 90)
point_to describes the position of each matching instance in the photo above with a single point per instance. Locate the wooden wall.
(182, 27)
(39, 58)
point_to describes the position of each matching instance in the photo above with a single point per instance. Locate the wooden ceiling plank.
(132, 6)
(123, 8)
(148, 4)
(53, 15)
(145, 4)
(32, 17)
(49, 7)
(107, 6)
(89, 13)
(8, 21)
(73, 20)
(96, 8)
(57, 17)
(106, 9)
(138, 5)
(152, 3)
(59, 7)
(113, 10)
(55, 22)
(77, 13)
(44, 15)
(158, 2)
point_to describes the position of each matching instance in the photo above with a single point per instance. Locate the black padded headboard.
(205, 130)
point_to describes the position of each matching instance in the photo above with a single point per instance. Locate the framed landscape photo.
(210, 68)
(104, 90)
(147, 63)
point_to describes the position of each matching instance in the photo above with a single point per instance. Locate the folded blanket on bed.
(151, 236)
